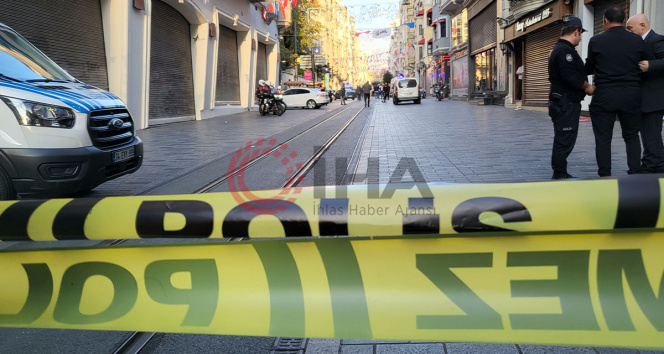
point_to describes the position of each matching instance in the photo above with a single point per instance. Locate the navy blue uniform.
(567, 76)
(613, 57)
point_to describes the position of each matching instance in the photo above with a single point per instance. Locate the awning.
(430, 10)
(420, 13)
(421, 41)
(430, 40)
(439, 20)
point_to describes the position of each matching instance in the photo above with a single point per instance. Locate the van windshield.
(407, 83)
(20, 60)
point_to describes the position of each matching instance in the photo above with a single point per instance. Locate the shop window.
(486, 71)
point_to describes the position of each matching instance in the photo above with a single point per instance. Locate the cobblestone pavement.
(457, 142)
(177, 149)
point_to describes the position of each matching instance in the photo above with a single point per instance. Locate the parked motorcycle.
(271, 101)
(423, 93)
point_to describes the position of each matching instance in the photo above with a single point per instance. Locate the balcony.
(520, 8)
(441, 45)
(450, 6)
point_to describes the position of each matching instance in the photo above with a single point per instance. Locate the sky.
(371, 15)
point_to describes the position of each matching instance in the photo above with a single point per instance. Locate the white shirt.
(646, 34)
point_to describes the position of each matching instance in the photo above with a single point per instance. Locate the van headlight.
(40, 114)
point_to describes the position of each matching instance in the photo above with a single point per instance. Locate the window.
(485, 71)
(443, 29)
(421, 30)
(407, 83)
(421, 56)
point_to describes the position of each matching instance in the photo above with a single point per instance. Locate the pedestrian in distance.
(386, 92)
(342, 95)
(652, 87)
(613, 57)
(569, 86)
(366, 89)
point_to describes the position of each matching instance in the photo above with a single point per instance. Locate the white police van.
(57, 134)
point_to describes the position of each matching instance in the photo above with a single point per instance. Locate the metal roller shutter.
(483, 29)
(70, 32)
(228, 67)
(535, 69)
(601, 6)
(261, 62)
(171, 73)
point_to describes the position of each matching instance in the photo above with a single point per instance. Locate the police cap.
(574, 21)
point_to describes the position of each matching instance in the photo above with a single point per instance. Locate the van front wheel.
(6, 188)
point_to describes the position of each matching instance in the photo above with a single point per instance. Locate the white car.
(405, 89)
(305, 97)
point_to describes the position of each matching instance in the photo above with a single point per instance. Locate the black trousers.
(367, 99)
(566, 128)
(609, 102)
(651, 135)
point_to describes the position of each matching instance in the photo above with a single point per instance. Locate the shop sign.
(521, 26)
(460, 54)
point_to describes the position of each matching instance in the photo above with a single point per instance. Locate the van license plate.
(123, 155)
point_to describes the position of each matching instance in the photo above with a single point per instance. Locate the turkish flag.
(294, 3)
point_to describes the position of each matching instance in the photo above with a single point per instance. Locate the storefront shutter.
(70, 32)
(171, 73)
(228, 68)
(261, 62)
(601, 6)
(536, 63)
(483, 29)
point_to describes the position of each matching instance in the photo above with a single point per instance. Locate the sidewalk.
(456, 142)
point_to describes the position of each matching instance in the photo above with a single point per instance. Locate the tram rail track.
(136, 341)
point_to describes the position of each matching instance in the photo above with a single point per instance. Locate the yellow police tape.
(596, 289)
(626, 203)
(567, 263)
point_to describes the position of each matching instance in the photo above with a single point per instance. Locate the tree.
(307, 30)
(387, 77)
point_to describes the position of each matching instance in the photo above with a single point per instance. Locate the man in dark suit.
(652, 84)
(613, 57)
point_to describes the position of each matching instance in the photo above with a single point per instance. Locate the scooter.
(423, 93)
(438, 91)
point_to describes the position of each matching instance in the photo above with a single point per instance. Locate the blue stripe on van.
(82, 100)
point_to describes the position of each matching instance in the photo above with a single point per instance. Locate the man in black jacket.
(652, 85)
(569, 86)
(613, 57)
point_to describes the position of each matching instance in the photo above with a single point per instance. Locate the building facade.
(531, 28)
(168, 60)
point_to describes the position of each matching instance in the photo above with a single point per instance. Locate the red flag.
(270, 8)
(282, 5)
(294, 3)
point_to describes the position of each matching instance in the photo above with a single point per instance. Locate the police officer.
(569, 85)
(613, 57)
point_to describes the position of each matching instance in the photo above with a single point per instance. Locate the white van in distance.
(405, 89)
(57, 134)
